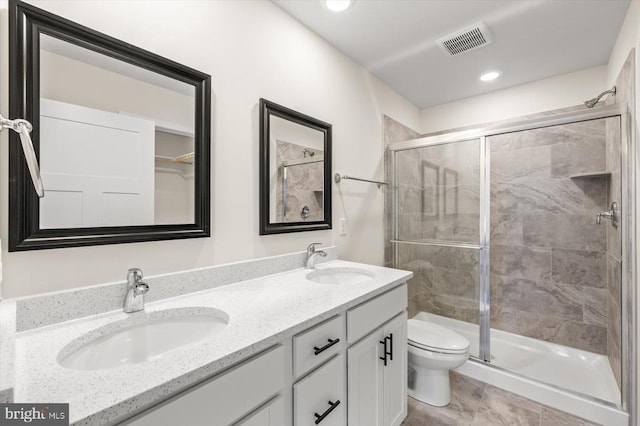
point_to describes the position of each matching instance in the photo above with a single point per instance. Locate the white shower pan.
(544, 372)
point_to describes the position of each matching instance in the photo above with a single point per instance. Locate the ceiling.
(532, 40)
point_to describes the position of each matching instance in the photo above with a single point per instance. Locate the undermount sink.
(340, 275)
(142, 337)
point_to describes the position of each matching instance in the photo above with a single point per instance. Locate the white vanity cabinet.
(349, 369)
(377, 378)
(226, 398)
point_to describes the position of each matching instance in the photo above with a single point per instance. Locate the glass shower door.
(555, 271)
(437, 204)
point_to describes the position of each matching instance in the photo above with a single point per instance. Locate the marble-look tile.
(544, 136)
(453, 282)
(506, 229)
(531, 195)
(595, 306)
(595, 192)
(468, 259)
(586, 268)
(614, 278)
(574, 334)
(466, 397)
(476, 403)
(551, 417)
(547, 299)
(394, 131)
(614, 319)
(500, 407)
(507, 166)
(568, 231)
(408, 168)
(433, 256)
(410, 226)
(521, 262)
(581, 156)
(615, 359)
(409, 199)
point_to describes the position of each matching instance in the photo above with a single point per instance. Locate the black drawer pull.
(318, 351)
(390, 346)
(332, 405)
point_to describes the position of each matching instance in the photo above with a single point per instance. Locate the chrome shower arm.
(23, 128)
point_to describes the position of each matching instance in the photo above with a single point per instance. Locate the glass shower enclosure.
(516, 236)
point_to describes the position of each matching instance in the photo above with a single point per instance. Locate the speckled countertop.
(262, 312)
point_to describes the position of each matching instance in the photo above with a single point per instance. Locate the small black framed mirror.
(295, 171)
(122, 137)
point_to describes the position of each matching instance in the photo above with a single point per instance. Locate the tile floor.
(479, 404)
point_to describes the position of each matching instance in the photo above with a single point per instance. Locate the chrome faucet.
(136, 289)
(312, 253)
(611, 215)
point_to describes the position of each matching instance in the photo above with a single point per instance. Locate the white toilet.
(433, 351)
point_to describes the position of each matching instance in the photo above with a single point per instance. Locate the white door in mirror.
(98, 165)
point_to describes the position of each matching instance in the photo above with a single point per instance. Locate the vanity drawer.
(313, 347)
(365, 318)
(322, 394)
(217, 401)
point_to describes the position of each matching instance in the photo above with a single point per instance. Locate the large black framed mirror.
(295, 171)
(122, 137)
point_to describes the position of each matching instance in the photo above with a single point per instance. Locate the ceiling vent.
(466, 40)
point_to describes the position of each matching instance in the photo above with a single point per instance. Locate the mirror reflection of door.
(297, 172)
(117, 141)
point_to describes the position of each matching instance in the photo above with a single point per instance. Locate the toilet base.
(430, 386)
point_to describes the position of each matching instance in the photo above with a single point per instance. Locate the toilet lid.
(429, 336)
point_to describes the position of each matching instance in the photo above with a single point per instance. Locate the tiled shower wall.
(305, 183)
(548, 255)
(614, 143)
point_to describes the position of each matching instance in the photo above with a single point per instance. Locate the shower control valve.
(611, 215)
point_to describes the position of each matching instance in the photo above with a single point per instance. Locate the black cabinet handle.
(317, 350)
(384, 358)
(387, 352)
(332, 406)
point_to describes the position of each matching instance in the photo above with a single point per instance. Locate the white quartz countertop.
(262, 312)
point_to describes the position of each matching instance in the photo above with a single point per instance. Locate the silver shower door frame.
(629, 317)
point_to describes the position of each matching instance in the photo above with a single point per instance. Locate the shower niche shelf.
(587, 175)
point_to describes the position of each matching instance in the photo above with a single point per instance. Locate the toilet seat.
(435, 338)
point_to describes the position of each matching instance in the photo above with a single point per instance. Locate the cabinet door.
(395, 372)
(365, 381)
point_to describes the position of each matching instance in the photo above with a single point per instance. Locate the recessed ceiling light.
(491, 75)
(338, 5)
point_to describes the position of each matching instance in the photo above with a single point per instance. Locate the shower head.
(308, 151)
(592, 102)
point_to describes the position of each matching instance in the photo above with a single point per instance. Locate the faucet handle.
(134, 275)
(312, 247)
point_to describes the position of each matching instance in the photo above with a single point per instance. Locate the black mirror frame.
(24, 102)
(267, 109)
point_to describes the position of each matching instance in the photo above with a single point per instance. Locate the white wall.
(252, 49)
(543, 95)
